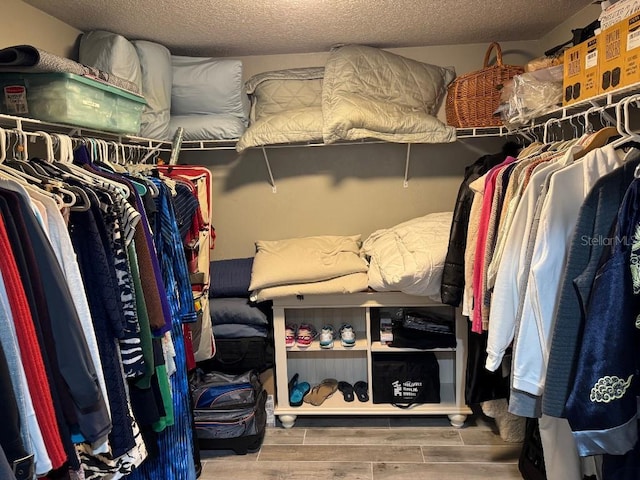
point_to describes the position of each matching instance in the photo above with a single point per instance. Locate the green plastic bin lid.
(96, 83)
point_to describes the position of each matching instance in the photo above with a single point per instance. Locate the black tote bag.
(405, 379)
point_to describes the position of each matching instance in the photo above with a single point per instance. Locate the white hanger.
(3, 145)
(49, 145)
(23, 142)
(622, 123)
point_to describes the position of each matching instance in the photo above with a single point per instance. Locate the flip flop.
(297, 394)
(347, 391)
(318, 394)
(293, 382)
(362, 391)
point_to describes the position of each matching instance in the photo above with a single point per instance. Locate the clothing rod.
(30, 125)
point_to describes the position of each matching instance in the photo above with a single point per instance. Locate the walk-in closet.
(333, 240)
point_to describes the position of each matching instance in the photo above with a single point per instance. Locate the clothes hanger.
(116, 154)
(3, 145)
(78, 198)
(598, 139)
(42, 179)
(81, 173)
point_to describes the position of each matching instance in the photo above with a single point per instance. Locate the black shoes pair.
(359, 389)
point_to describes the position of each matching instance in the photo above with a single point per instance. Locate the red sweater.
(30, 353)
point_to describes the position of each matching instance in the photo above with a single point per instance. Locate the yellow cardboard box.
(591, 69)
(573, 78)
(611, 49)
(631, 70)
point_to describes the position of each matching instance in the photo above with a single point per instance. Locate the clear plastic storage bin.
(71, 99)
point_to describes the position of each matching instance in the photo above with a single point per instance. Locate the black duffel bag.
(405, 379)
(423, 330)
(237, 355)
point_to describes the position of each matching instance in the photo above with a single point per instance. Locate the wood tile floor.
(372, 448)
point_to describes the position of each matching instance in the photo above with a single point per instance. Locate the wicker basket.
(474, 97)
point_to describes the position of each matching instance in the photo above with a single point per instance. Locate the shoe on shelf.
(347, 391)
(326, 336)
(297, 391)
(290, 335)
(306, 334)
(347, 336)
(361, 389)
(319, 393)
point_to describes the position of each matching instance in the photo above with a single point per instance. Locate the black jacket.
(453, 274)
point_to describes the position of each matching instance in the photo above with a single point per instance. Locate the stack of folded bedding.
(308, 266)
(361, 92)
(202, 95)
(242, 328)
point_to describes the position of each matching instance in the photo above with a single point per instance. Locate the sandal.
(321, 392)
(361, 390)
(347, 391)
(297, 391)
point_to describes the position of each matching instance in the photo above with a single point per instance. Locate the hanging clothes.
(602, 407)
(595, 220)
(480, 384)
(453, 272)
(102, 344)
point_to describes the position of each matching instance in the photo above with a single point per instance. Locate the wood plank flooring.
(371, 448)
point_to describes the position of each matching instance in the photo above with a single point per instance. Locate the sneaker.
(306, 334)
(347, 336)
(326, 337)
(290, 335)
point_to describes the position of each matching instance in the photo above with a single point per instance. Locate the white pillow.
(207, 127)
(208, 85)
(111, 53)
(157, 76)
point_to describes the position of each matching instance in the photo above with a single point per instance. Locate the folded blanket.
(236, 311)
(238, 330)
(307, 259)
(230, 278)
(29, 59)
(355, 282)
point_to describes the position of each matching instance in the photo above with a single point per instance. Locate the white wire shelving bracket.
(405, 184)
(271, 179)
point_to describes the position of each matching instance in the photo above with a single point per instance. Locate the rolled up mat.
(29, 59)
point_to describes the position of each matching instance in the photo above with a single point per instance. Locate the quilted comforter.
(372, 93)
(361, 92)
(285, 107)
(410, 256)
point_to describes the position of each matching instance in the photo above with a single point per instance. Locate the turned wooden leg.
(288, 420)
(457, 420)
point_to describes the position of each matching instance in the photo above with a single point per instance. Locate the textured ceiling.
(259, 27)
